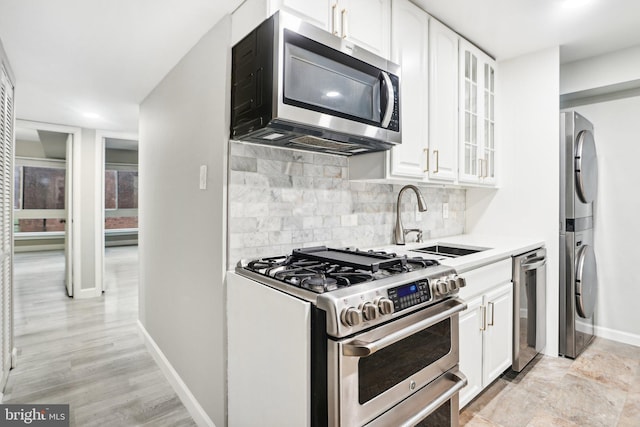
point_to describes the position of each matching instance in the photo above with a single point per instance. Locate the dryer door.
(586, 167)
(586, 282)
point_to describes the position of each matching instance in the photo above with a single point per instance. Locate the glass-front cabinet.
(477, 160)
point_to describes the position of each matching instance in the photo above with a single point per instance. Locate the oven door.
(374, 371)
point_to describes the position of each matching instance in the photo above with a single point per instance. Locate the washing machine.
(578, 268)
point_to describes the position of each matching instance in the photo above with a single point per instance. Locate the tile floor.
(601, 388)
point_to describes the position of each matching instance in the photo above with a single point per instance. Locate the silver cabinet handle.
(426, 151)
(390, 100)
(364, 349)
(492, 305)
(343, 23)
(334, 7)
(483, 318)
(437, 154)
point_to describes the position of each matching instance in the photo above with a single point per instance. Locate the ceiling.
(508, 28)
(90, 63)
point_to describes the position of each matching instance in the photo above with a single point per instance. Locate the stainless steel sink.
(450, 250)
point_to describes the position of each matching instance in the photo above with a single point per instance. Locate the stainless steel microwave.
(297, 86)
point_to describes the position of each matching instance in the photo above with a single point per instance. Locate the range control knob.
(441, 287)
(385, 305)
(351, 316)
(369, 311)
(461, 282)
(452, 284)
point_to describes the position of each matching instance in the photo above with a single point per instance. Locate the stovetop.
(321, 269)
(357, 289)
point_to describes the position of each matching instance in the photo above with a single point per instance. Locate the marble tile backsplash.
(282, 199)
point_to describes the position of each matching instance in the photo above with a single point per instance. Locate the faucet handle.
(414, 230)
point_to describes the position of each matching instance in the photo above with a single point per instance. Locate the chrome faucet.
(422, 207)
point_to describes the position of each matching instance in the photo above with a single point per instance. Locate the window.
(43, 188)
(121, 199)
(39, 188)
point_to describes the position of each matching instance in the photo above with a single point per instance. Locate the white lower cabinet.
(486, 327)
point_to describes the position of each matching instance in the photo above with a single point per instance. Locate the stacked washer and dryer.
(578, 272)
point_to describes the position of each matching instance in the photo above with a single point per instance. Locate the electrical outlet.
(445, 210)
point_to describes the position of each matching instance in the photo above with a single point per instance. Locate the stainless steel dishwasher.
(529, 306)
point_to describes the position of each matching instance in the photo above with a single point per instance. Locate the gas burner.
(352, 278)
(263, 265)
(424, 263)
(319, 283)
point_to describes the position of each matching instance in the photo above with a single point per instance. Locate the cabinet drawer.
(484, 278)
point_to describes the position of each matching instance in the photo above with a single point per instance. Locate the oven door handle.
(459, 381)
(363, 349)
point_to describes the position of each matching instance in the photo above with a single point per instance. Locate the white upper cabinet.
(443, 102)
(316, 12)
(477, 116)
(410, 49)
(364, 22)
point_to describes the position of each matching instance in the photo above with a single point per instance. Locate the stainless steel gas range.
(343, 338)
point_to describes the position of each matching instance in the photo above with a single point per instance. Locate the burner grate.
(320, 269)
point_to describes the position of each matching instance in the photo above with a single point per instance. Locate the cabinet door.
(409, 48)
(471, 325)
(470, 114)
(498, 339)
(489, 149)
(477, 156)
(366, 23)
(443, 102)
(317, 12)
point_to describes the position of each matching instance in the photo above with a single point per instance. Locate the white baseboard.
(620, 336)
(197, 412)
(86, 293)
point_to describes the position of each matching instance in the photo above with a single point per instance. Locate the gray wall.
(283, 199)
(184, 124)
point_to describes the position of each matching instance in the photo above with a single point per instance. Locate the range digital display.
(407, 290)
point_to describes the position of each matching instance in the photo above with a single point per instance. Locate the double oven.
(404, 372)
(382, 340)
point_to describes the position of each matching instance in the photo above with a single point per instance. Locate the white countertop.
(499, 248)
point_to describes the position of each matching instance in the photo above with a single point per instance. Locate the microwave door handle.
(364, 349)
(386, 81)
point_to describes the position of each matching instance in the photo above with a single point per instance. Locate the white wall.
(616, 228)
(527, 203)
(184, 124)
(604, 70)
(87, 221)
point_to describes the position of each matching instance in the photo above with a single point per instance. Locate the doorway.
(43, 191)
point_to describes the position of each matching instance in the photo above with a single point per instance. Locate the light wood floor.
(87, 353)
